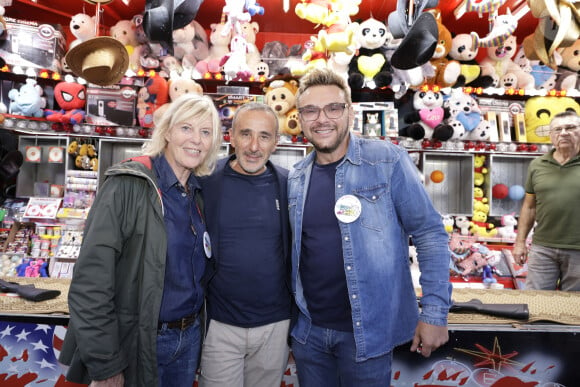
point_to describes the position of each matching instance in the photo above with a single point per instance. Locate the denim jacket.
(375, 246)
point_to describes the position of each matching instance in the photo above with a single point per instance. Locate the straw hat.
(102, 60)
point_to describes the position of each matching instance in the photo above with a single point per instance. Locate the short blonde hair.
(323, 77)
(188, 107)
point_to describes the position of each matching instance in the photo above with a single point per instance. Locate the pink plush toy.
(219, 47)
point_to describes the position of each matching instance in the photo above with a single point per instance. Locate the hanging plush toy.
(83, 27)
(71, 98)
(370, 66)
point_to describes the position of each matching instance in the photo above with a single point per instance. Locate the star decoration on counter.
(493, 358)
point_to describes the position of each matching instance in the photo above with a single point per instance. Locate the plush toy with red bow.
(71, 98)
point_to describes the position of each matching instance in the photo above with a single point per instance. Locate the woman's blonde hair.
(188, 107)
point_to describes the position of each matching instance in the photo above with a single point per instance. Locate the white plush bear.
(83, 27)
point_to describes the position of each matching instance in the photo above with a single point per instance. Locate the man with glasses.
(553, 201)
(353, 205)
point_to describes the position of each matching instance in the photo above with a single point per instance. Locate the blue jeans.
(178, 355)
(327, 359)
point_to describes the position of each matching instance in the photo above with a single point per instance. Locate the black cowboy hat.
(418, 45)
(162, 17)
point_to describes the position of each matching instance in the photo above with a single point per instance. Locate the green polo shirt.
(557, 190)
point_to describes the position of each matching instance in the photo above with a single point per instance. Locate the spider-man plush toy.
(71, 98)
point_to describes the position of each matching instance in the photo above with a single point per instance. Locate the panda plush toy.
(370, 67)
(427, 117)
(463, 51)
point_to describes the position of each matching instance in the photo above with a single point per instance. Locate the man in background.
(552, 201)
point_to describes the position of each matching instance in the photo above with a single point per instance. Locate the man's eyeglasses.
(332, 111)
(568, 128)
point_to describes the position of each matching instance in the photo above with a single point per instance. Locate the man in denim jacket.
(353, 204)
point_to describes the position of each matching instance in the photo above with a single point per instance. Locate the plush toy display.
(219, 47)
(234, 64)
(190, 44)
(277, 56)
(499, 65)
(339, 62)
(544, 76)
(480, 201)
(463, 51)
(84, 155)
(507, 231)
(477, 259)
(28, 100)
(503, 26)
(71, 98)
(480, 226)
(427, 117)
(446, 71)
(125, 31)
(369, 67)
(569, 69)
(177, 86)
(280, 95)
(479, 169)
(83, 27)
(170, 67)
(538, 113)
(462, 224)
(314, 56)
(151, 97)
(466, 118)
(249, 32)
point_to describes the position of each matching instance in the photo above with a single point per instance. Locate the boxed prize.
(227, 105)
(112, 105)
(33, 44)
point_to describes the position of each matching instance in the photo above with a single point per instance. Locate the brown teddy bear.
(280, 95)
